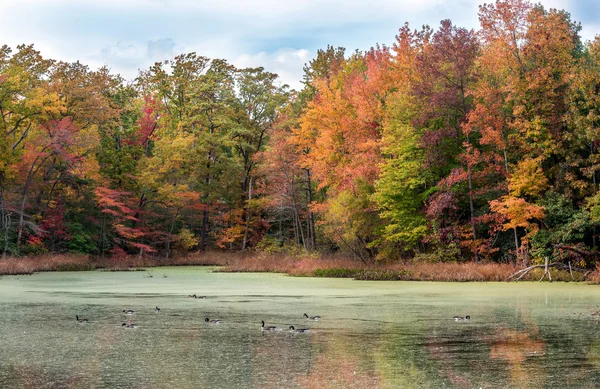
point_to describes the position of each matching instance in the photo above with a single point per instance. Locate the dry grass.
(336, 266)
(324, 266)
(308, 266)
(467, 271)
(594, 276)
(77, 262)
(30, 265)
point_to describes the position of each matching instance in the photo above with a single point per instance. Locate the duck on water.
(299, 330)
(268, 328)
(462, 318)
(313, 318)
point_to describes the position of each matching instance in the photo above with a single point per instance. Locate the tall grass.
(311, 266)
(30, 265)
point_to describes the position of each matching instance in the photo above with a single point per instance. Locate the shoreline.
(302, 266)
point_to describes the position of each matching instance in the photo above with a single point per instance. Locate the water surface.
(372, 334)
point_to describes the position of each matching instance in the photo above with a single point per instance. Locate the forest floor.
(303, 266)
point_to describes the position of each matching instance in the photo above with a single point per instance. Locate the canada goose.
(461, 318)
(212, 321)
(81, 321)
(313, 318)
(157, 310)
(299, 330)
(193, 296)
(267, 328)
(128, 311)
(129, 325)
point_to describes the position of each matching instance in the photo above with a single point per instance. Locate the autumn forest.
(448, 145)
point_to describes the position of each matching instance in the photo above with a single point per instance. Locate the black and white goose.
(128, 311)
(81, 321)
(212, 321)
(299, 330)
(129, 325)
(313, 318)
(267, 328)
(157, 310)
(462, 318)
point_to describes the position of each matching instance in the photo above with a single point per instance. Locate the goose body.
(131, 325)
(81, 321)
(313, 318)
(299, 330)
(157, 310)
(212, 321)
(128, 311)
(462, 318)
(267, 328)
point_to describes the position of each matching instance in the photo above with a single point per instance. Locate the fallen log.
(546, 271)
(523, 272)
(577, 250)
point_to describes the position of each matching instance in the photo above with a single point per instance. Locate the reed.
(335, 266)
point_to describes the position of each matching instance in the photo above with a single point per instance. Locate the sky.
(280, 35)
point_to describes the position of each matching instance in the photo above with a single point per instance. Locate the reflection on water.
(372, 335)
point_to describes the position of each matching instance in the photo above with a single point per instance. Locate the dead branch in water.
(559, 265)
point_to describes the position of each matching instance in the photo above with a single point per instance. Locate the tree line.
(449, 144)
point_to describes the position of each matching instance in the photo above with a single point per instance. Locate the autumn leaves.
(451, 143)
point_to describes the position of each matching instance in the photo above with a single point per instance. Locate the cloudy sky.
(280, 35)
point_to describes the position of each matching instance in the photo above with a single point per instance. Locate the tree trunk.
(205, 216)
(205, 213)
(516, 244)
(311, 219)
(204, 230)
(32, 171)
(595, 230)
(303, 240)
(471, 205)
(546, 271)
(169, 238)
(102, 235)
(245, 241)
(4, 219)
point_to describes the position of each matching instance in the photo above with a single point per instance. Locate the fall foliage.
(449, 145)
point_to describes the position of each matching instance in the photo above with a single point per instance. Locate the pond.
(371, 335)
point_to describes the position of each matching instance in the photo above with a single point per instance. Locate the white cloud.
(160, 49)
(279, 35)
(287, 63)
(126, 58)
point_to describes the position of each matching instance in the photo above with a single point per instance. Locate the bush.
(80, 241)
(336, 272)
(187, 240)
(382, 275)
(270, 245)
